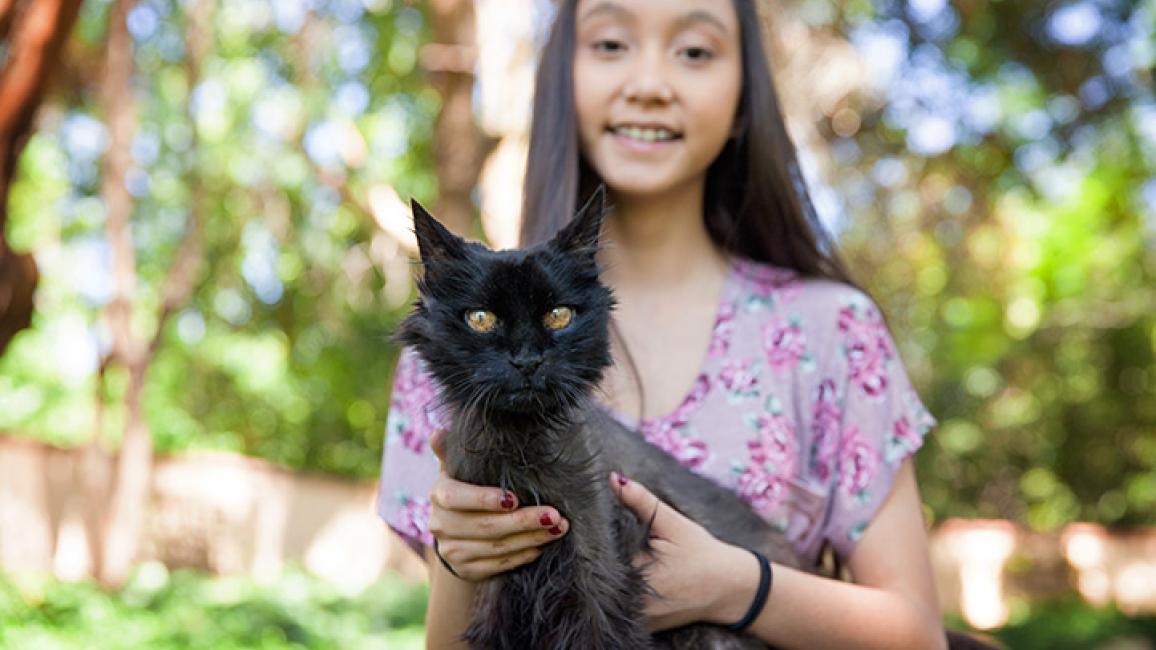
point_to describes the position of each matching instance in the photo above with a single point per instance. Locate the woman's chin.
(643, 187)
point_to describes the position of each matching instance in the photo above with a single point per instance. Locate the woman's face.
(656, 86)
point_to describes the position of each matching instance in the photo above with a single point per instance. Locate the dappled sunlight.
(1119, 569)
(72, 560)
(349, 550)
(981, 550)
(988, 170)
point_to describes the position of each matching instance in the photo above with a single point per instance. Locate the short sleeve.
(882, 421)
(408, 466)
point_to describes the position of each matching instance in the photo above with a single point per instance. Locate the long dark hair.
(756, 204)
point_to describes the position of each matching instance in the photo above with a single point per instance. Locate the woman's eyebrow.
(612, 8)
(700, 16)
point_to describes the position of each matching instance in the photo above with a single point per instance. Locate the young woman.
(742, 345)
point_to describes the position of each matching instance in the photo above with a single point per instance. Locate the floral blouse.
(802, 407)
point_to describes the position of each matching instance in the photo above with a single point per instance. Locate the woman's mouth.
(643, 138)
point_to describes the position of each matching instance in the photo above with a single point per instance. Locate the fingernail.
(622, 480)
(545, 520)
(508, 501)
(556, 530)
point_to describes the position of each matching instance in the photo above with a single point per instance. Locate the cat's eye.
(481, 320)
(558, 317)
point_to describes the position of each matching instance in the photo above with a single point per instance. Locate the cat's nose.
(526, 363)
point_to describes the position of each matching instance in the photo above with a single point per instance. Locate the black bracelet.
(444, 563)
(764, 590)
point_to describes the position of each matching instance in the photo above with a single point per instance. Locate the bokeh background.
(204, 247)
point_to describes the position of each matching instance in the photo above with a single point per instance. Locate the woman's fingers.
(664, 519)
(486, 567)
(465, 551)
(456, 495)
(475, 558)
(456, 524)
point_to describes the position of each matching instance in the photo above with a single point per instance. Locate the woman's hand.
(697, 576)
(481, 531)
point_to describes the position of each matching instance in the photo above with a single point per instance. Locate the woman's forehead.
(719, 14)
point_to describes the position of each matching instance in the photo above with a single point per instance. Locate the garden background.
(204, 248)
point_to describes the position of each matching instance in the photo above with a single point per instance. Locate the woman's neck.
(654, 242)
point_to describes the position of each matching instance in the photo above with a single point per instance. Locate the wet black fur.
(523, 419)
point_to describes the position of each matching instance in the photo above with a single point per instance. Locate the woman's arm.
(892, 605)
(449, 607)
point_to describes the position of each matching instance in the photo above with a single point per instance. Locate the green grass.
(159, 610)
(185, 610)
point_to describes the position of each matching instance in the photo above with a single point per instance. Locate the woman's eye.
(697, 53)
(558, 318)
(481, 320)
(608, 46)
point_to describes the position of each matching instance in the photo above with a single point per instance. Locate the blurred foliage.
(187, 610)
(1072, 625)
(1001, 204)
(283, 350)
(995, 191)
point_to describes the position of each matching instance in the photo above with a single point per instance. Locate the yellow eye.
(558, 318)
(481, 320)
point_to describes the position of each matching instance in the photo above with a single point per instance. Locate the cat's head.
(512, 331)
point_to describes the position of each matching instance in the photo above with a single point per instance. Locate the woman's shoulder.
(784, 291)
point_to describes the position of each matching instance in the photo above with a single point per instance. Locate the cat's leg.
(600, 602)
(497, 617)
(562, 601)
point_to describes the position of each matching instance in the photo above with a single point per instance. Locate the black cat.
(517, 341)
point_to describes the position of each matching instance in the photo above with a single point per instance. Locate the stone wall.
(217, 512)
(225, 513)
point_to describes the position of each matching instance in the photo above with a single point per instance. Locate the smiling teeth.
(645, 135)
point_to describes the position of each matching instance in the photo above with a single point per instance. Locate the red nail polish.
(508, 501)
(556, 530)
(545, 520)
(622, 480)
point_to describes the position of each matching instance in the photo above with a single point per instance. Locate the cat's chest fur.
(539, 463)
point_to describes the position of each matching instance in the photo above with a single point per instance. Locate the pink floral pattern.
(867, 346)
(667, 433)
(772, 454)
(785, 344)
(664, 434)
(825, 422)
(724, 329)
(908, 431)
(740, 378)
(763, 489)
(801, 406)
(693, 401)
(858, 462)
(413, 414)
(413, 519)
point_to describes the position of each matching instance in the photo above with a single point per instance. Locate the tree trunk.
(134, 351)
(124, 516)
(459, 146)
(35, 32)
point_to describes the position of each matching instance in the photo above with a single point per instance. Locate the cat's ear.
(581, 234)
(434, 241)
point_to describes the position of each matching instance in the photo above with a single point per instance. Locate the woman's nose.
(648, 80)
